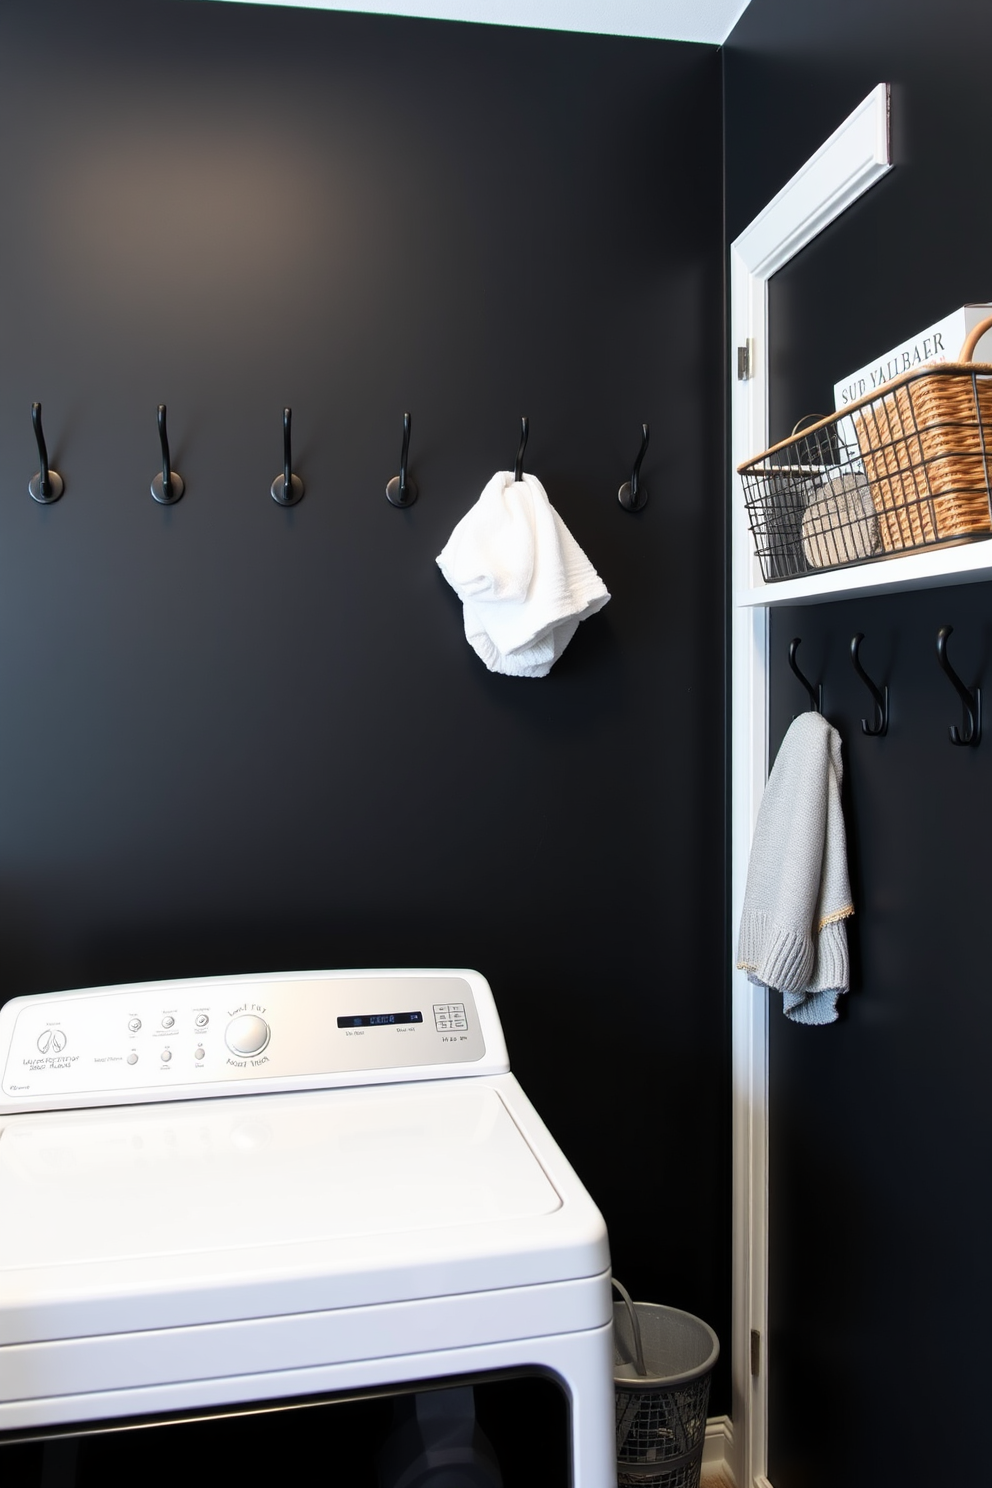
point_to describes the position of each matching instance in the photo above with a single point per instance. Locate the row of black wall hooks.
(46, 485)
(971, 697)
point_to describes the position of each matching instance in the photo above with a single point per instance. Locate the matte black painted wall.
(879, 1273)
(234, 737)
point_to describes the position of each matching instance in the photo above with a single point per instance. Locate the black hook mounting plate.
(631, 501)
(394, 494)
(159, 492)
(56, 486)
(279, 493)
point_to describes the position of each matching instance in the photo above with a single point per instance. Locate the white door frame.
(854, 157)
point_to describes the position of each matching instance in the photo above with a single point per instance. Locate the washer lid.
(120, 1219)
(118, 1185)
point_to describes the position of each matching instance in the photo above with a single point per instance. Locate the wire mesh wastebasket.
(662, 1362)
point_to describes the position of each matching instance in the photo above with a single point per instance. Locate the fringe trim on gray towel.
(838, 914)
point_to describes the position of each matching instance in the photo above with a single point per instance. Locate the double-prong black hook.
(287, 489)
(971, 702)
(633, 494)
(880, 696)
(45, 485)
(815, 693)
(518, 469)
(402, 490)
(168, 486)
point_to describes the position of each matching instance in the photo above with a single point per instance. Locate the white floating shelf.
(967, 563)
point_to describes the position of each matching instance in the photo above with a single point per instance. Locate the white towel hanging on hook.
(524, 582)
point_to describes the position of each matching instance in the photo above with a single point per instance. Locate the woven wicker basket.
(926, 442)
(909, 466)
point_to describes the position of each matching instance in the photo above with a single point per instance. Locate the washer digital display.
(377, 1020)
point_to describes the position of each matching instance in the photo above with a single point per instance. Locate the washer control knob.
(247, 1035)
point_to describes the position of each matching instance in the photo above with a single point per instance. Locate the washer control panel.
(164, 1040)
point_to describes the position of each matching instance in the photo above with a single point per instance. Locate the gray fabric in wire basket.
(840, 525)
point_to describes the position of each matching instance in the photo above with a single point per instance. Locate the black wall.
(879, 1279)
(238, 738)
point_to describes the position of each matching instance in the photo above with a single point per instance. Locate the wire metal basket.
(905, 468)
(662, 1362)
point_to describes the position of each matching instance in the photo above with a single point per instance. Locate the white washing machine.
(253, 1188)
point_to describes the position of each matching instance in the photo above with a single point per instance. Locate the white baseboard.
(718, 1453)
(718, 1449)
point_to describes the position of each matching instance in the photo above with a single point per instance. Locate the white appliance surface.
(186, 1040)
(269, 1171)
(404, 1215)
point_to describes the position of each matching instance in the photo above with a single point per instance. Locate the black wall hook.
(880, 723)
(287, 489)
(815, 693)
(46, 485)
(633, 494)
(402, 490)
(971, 702)
(167, 487)
(518, 469)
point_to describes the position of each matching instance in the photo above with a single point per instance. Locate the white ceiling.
(676, 20)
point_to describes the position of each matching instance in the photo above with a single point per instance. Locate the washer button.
(247, 1034)
(202, 1019)
(197, 1053)
(168, 1021)
(132, 1059)
(166, 1055)
(134, 1024)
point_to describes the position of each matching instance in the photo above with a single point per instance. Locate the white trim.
(854, 157)
(842, 169)
(718, 1450)
(675, 20)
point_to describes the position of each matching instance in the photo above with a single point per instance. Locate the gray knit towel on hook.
(792, 934)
